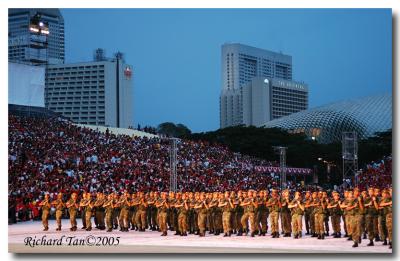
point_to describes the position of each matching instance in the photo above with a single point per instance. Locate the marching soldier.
(358, 208)
(182, 207)
(99, 211)
(83, 209)
(307, 211)
(382, 221)
(152, 212)
(226, 204)
(371, 212)
(210, 213)
(297, 209)
(88, 205)
(132, 211)
(335, 210)
(124, 205)
(234, 225)
(109, 208)
(250, 205)
(319, 209)
(45, 205)
(274, 205)
(162, 205)
(141, 213)
(285, 213)
(193, 228)
(59, 205)
(326, 212)
(72, 206)
(386, 205)
(116, 211)
(262, 213)
(201, 206)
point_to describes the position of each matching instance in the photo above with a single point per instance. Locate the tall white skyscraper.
(257, 86)
(35, 36)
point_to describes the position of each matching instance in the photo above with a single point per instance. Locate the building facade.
(96, 93)
(257, 86)
(35, 36)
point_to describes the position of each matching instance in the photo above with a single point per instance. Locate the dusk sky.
(175, 53)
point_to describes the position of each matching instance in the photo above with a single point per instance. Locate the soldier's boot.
(225, 235)
(252, 234)
(319, 237)
(229, 234)
(296, 236)
(211, 231)
(385, 242)
(371, 243)
(89, 229)
(177, 233)
(240, 233)
(355, 244)
(326, 233)
(390, 245)
(314, 235)
(322, 236)
(365, 236)
(46, 229)
(201, 235)
(377, 238)
(164, 234)
(346, 235)
(184, 234)
(350, 238)
(359, 240)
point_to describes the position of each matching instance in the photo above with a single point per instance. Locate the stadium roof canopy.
(326, 123)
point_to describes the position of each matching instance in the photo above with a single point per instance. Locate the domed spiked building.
(326, 123)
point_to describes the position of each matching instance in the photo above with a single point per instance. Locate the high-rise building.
(99, 92)
(240, 63)
(35, 36)
(257, 86)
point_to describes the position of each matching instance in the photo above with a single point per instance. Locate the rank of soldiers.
(365, 215)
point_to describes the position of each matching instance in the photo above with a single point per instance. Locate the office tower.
(35, 36)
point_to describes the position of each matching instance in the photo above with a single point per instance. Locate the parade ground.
(28, 237)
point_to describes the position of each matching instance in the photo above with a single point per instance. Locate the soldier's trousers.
(356, 227)
(319, 223)
(109, 219)
(141, 219)
(131, 217)
(233, 221)
(163, 221)
(274, 220)
(123, 218)
(100, 218)
(72, 218)
(262, 221)
(376, 225)
(58, 218)
(363, 226)
(83, 217)
(201, 221)
(238, 218)
(226, 221)
(344, 223)
(218, 220)
(248, 216)
(382, 227)
(182, 224)
(335, 220)
(389, 226)
(88, 219)
(307, 222)
(116, 213)
(369, 224)
(312, 223)
(172, 217)
(297, 224)
(45, 219)
(348, 224)
(193, 217)
(326, 222)
(285, 218)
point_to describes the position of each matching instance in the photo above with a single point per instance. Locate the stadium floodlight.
(41, 24)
